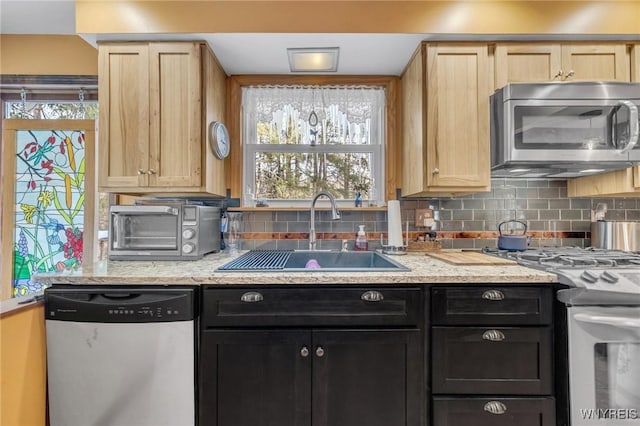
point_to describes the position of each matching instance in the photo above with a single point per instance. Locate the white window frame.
(376, 148)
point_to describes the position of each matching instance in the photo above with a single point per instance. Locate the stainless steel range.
(595, 276)
(603, 321)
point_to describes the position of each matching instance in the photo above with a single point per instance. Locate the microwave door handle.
(634, 126)
(623, 322)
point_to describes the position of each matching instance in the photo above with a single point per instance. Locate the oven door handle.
(624, 322)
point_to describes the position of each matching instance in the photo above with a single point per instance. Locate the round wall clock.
(219, 139)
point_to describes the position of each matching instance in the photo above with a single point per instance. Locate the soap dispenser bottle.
(361, 240)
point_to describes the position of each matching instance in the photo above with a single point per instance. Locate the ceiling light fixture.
(313, 59)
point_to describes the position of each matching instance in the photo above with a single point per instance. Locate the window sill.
(298, 209)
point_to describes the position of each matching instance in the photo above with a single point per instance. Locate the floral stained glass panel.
(49, 204)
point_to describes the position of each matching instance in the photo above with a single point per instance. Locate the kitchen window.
(298, 140)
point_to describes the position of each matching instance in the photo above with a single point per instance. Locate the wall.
(47, 55)
(23, 366)
(465, 222)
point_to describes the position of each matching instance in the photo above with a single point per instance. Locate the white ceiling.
(238, 53)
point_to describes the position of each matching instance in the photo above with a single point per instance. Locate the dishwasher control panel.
(120, 305)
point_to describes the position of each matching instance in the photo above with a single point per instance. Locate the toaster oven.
(183, 232)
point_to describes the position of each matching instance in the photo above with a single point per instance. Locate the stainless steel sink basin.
(312, 261)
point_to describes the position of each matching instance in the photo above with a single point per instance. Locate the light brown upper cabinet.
(619, 183)
(156, 100)
(445, 120)
(541, 62)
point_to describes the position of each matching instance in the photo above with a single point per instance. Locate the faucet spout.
(335, 215)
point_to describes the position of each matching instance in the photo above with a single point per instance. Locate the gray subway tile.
(549, 192)
(537, 183)
(451, 205)
(473, 225)
(549, 214)
(493, 204)
(528, 193)
(462, 243)
(473, 204)
(625, 203)
(580, 225)
(462, 214)
(580, 203)
(633, 214)
(541, 204)
(286, 216)
(504, 193)
(562, 203)
(616, 215)
(555, 183)
(570, 214)
(538, 225)
(527, 214)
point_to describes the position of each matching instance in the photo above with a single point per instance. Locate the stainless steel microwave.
(183, 232)
(564, 129)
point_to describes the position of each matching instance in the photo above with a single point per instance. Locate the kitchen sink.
(312, 261)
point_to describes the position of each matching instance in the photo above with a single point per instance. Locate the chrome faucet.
(335, 215)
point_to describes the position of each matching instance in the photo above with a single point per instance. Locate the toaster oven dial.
(188, 234)
(188, 248)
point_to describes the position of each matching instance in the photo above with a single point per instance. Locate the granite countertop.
(424, 270)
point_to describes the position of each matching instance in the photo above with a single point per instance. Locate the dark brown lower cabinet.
(311, 377)
(257, 378)
(494, 411)
(492, 360)
(492, 351)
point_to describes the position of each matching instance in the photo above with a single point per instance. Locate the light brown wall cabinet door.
(542, 62)
(123, 87)
(153, 118)
(619, 183)
(446, 120)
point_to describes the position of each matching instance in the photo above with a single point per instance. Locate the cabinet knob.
(319, 352)
(151, 172)
(493, 295)
(495, 407)
(436, 171)
(304, 352)
(558, 74)
(569, 74)
(140, 171)
(251, 297)
(493, 335)
(372, 296)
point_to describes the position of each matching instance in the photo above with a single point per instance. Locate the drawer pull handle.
(493, 295)
(304, 352)
(319, 352)
(493, 335)
(372, 296)
(252, 296)
(495, 407)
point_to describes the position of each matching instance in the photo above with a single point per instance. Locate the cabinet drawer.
(266, 307)
(491, 305)
(494, 412)
(479, 360)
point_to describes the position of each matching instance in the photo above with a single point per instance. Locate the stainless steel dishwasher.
(121, 356)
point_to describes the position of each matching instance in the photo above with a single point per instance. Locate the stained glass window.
(49, 201)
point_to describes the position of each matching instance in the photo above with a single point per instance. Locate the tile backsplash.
(470, 221)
